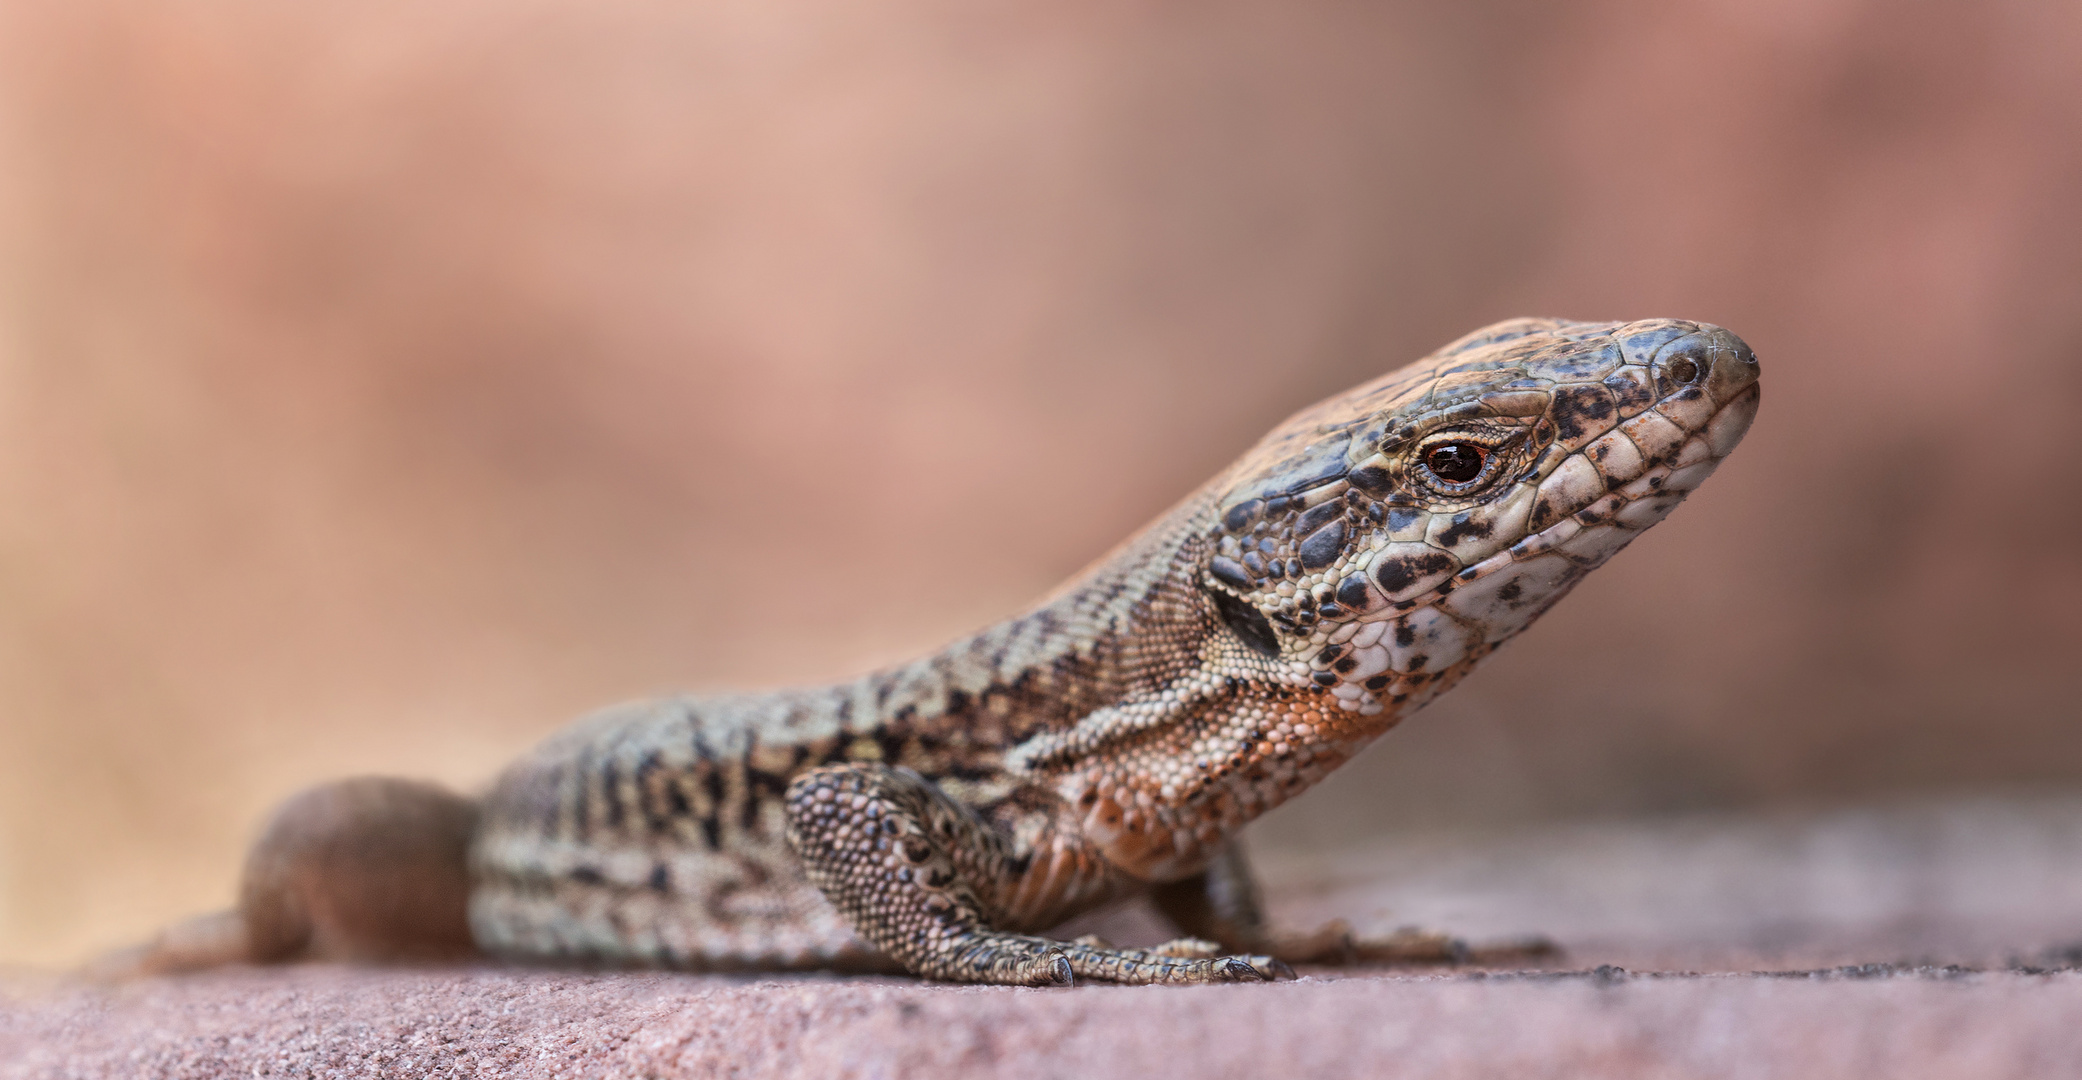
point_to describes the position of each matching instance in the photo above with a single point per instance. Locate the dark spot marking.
(1345, 666)
(1376, 511)
(1629, 394)
(1241, 515)
(1248, 624)
(1399, 573)
(1352, 593)
(957, 700)
(1510, 592)
(1330, 653)
(1329, 610)
(1322, 546)
(1315, 518)
(1464, 525)
(1231, 573)
(611, 792)
(1372, 479)
(1377, 682)
(1418, 661)
(1254, 562)
(1274, 507)
(1324, 678)
(712, 786)
(1575, 406)
(1400, 519)
(1404, 636)
(661, 878)
(895, 742)
(1542, 516)
(586, 875)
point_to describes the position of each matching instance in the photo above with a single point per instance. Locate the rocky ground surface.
(1927, 940)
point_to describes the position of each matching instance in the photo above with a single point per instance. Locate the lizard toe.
(1244, 969)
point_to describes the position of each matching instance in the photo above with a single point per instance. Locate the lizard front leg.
(1221, 903)
(909, 868)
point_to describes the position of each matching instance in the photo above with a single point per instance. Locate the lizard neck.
(1082, 647)
(956, 712)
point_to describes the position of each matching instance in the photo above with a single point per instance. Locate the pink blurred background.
(382, 385)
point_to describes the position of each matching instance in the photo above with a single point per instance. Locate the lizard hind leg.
(1222, 903)
(909, 868)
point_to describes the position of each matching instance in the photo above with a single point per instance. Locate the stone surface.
(319, 1022)
(1914, 940)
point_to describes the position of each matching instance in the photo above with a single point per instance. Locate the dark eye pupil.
(1455, 463)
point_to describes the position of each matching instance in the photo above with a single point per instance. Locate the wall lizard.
(940, 815)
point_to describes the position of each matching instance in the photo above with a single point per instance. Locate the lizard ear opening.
(1248, 623)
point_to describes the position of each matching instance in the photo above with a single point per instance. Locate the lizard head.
(1380, 543)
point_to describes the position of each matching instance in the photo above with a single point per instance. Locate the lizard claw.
(1253, 969)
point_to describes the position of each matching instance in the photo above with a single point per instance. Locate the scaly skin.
(1116, 737)
(937, 816)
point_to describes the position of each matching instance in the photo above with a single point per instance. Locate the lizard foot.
(902, 862)
(1105, 960)
(1186, 961)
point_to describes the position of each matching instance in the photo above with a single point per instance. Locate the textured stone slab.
(320, 1022)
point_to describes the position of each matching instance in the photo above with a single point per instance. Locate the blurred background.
(384, 384)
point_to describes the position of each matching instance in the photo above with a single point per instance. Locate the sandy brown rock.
(343, 1022)
(1929, 934)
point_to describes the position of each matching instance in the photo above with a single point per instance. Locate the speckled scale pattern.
(1119, 734)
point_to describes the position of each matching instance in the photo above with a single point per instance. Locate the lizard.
(939, 816)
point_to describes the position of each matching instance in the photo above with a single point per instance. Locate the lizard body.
(1112, 740)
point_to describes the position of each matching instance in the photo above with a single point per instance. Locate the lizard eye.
(1456, 462)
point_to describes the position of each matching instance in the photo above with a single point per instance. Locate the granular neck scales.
(1355, 564)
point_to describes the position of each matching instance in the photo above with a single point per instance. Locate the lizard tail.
(371, 870)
